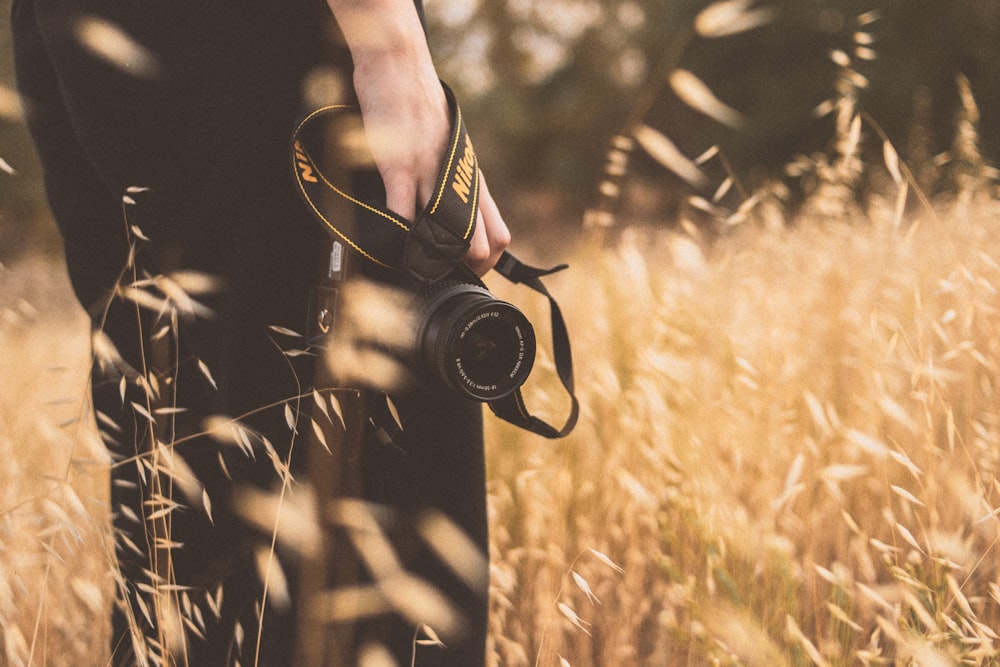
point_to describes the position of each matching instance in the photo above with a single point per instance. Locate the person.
(163, 130)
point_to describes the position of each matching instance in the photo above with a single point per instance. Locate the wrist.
(381, 33)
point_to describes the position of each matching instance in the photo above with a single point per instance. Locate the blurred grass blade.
(731, 17)
(10, 104)
(697, 95)
(293, 517)
(455, 549)
(110, 43)
(273, 575)
(376, 655)
(661, 149)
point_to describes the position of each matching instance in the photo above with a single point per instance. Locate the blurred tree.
(552, 82)
(548, 84)
(923, 45)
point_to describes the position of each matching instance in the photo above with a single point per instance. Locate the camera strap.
(511, 408)
(431, 247)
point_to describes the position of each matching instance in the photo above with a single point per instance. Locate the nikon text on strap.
(433, 246)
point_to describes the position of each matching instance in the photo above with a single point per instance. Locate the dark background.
(546, 84)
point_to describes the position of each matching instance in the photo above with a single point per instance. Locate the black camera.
(473, 342)
(453, 332)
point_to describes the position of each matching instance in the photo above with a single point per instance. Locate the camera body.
(455, 334)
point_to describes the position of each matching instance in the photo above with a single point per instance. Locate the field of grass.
(787, 455)
(789, 439)
(788, 452)
(54, 573)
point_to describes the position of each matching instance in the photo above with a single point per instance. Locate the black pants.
(167, 153)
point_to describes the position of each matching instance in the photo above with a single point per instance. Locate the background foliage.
(548, 84)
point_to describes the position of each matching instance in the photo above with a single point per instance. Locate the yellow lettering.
(461, 189)
(463, 173)
(304, 165)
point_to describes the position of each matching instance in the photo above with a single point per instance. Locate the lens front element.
(477, 344)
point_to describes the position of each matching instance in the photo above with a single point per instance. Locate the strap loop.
(511, 408)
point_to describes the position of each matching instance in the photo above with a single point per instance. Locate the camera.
(471, 341)
(452, 333)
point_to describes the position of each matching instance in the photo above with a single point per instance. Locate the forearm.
(406, 114)
(383, 31)
(402, 102)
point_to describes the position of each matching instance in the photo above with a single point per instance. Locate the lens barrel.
(475, 343)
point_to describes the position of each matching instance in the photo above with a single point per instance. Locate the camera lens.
(477, 344)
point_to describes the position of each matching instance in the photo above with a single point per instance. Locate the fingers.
(407, 124)
(491, 236)
(400, 194)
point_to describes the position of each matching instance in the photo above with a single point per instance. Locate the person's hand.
(406, 116)
(491, 236)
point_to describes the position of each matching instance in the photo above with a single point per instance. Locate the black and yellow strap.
(431, 246)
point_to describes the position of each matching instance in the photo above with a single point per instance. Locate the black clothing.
(178, 145)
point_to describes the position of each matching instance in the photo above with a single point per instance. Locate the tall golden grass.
(787, 455)
(788, 447)
(54, 567)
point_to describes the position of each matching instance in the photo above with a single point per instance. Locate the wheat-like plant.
(786, 456)
(787, 447)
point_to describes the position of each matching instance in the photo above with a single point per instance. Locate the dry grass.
(787, 453)
(789, 446)
(54, 575)
(787, 456)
